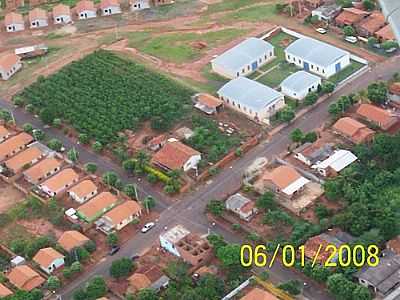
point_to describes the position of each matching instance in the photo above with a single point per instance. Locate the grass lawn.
(277, 75)
(179, 48)
(346, 72)
(230, 5)
(215, 81)
(250, 14)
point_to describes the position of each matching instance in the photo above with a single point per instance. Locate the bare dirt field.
(40, 227)
(9, 196)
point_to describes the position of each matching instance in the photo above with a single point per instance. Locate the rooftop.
(377, 115)
(123, 211)
(394, 244)
(46, 256)
(42, 168)
(8, 146)
(62, 178)
(24, 278)
(83, 188)
(175, 234)
(386, 33)
(85, 5)
(258, 294)
(5, 291)
(312, 245)
(23, 159)
(243, 54)
(351, 15)
(250, 93)
(373, 23)
(209, 100)
(174, 155)
(13, 18)
(7, 61)
(72, 239)
(3, 132)
(338, 161)
(238, 201)
(96, 205)
(299, 81)
(316, 52)
(286, 178)
(316, 151)
(108, 3)
(353, 129)
(61, 9)
(37, 13)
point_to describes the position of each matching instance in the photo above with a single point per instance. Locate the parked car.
(113, 250)
(351, 39)
(321, 30)
(135, 256)
(147, 227)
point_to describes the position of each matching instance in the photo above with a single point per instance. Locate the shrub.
(91, 167)
(160, 175)
(121, 268)
(90, 246)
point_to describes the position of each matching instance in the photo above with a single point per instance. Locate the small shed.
(300, 84)
(208, 104)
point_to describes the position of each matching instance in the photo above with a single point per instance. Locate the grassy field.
(230, 5)
(278, 74)
(250, 14)
(180, 48)
(346, 72)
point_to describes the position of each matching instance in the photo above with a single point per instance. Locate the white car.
(147, 227)
(321, 30)
(351, 39)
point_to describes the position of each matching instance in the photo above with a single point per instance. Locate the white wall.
(300, 95)
(303, 159)
(169, 246)
(192, 163)
(244, 70)
(58, 263)
(111, 10)
(84, 198)
(87, 14)
(39, 23)
(140, 4)
(62, 19)
(15, 27)
(6, 74)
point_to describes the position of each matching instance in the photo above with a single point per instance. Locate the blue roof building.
(244, 58)
(259, 102)
(317, 57)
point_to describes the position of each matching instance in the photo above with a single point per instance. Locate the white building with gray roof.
(299, 84)
(317, 57)
(244, 58)
(257, 101)
(242, 206)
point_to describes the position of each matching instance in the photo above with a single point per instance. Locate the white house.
(176, 156)
(339, 160)
(9, 65)
(299, 84)
(61, 14)
(326, 13)
(311, 153)
(119, 217)
(242, 206)
(170, 239)
(49, 260)
(244, 58)
(139, 4)
(14, 22)
(110, 7)
(59, 182)
(317, 57)
(38, 18)
(83, 191)
(85, 10)
(257, 101)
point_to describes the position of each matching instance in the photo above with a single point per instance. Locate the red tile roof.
(122, 212)
(354, 130)
(282, 176)
(373, 23)
(5, 291)
(7, 61)
(85, 5)
(37, 14)
(394, 88)
(258, 294)
(174, 155)
(108, 3)
(209, 101)
(72, 239)
(350, 16)
(61, 10)
(13, 18)
(394, 245)
(46, 256)
(24, 278)
(386, 33)
(385, 119)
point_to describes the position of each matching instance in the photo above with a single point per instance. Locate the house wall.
(55, 193)
(87, 14)
(245, 69)
(62, 19)
(39, 23)
(3, 138)
(192, 163)
(139, 5)
(84, 198)
(260, 116)
(126, 222)
(169, 247)
(6, 74)
(111, 10)
(303, 159)
(15, 27)
(300, 95)
(58, 263)
(325, 72)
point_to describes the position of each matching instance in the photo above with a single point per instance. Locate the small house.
(110, 7)
(157, 142)
(385, 34)
(324, 60)
(96, 207)
(71, 240)
(353, 130)
(326, 13)
(242, 206)
(300, 84)
(257, 293)
(24, 278)
(42, 170)
(311, 153)
(85, 10)
(38, 18)
(176, 156)
(351, 16)
(251, 98)
(190, 247)
(14, 144)
(312, 245)
(83, 191)
(284, 180)
(244, 58)
(24, 159)
(49, 260)
(338, 161)
(60, 182)
(148, 276)
(208, 104)
(378, 116)
(368, 26)
(61, 14)
(14, 22)
(9, 65)
(119, 217)
(136, 5)
(4, 133)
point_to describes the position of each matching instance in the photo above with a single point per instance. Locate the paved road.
(190, 210)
